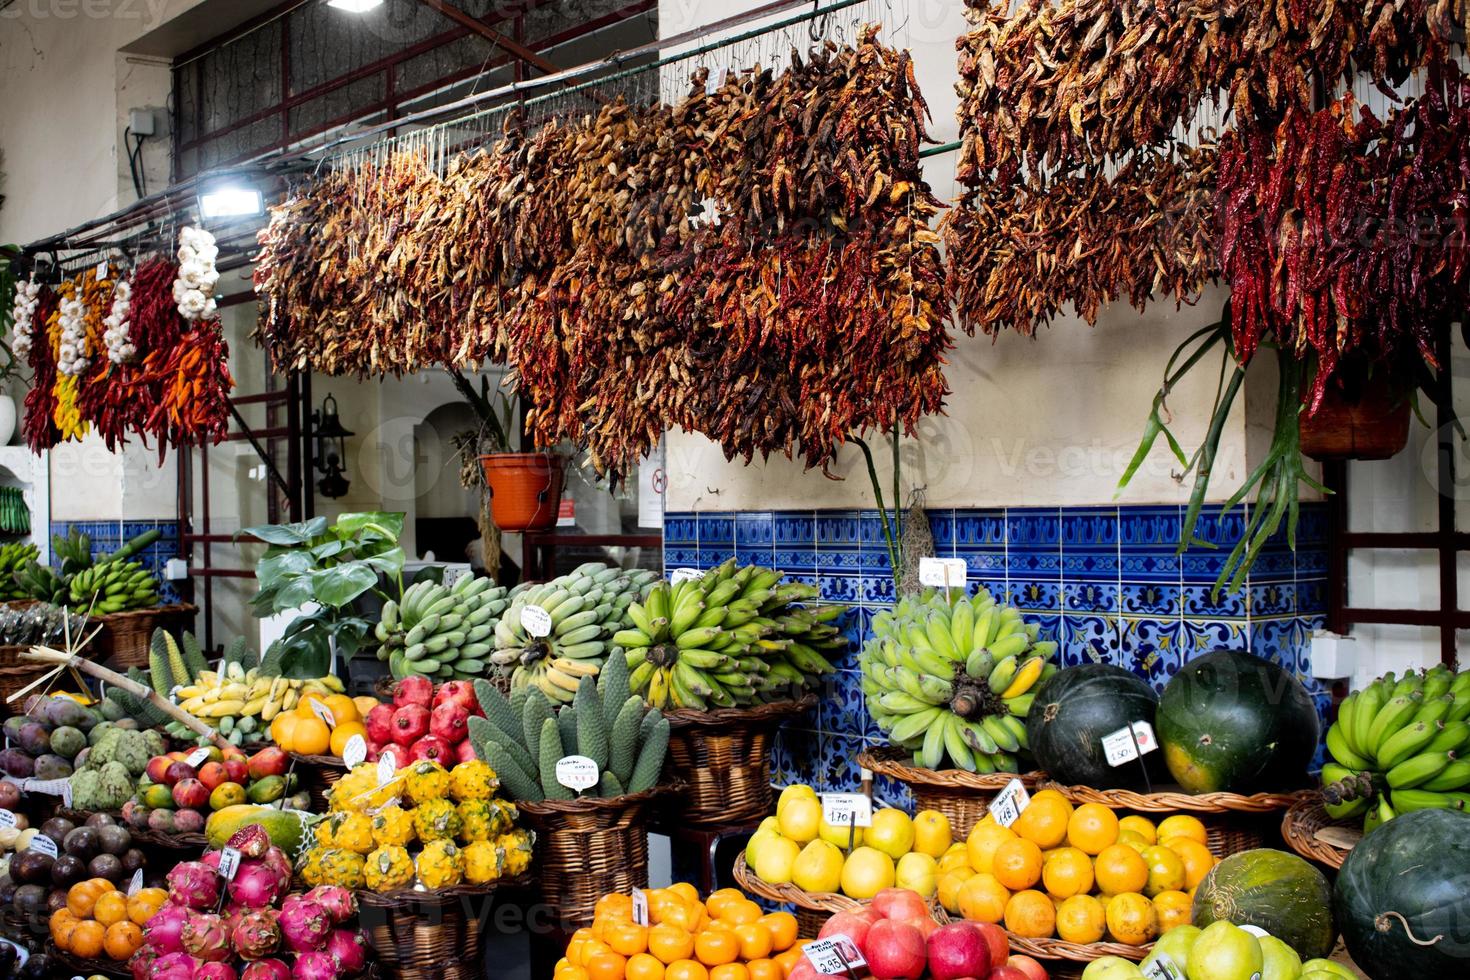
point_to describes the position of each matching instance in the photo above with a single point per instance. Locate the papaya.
(286, 828)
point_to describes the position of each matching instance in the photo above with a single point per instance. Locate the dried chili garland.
(40, 403)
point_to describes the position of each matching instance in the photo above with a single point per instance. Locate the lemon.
(918, 872)
(818, 867)
(800, 819)
(844, 837)
(774, 859)
(892, 832)
(932, 834)
(866, 872)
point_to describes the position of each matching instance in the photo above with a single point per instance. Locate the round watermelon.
(1403, 897)
(1071, 714)
(1232, 722)
(1274, 890)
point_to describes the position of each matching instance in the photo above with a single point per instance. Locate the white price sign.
(324, 713)
(229, 863)
(835, 955)
(1163, 968)
(684, 575)
(847, 809)
(1127, 744)
(136, 885)
(42, 844)
(7, 819)
(387, 766)
(536, 621)
(354, 753)
(50, 787)
(197, 758)
(1009, 803)
(577, 772)
(640, 907)
(943, 573)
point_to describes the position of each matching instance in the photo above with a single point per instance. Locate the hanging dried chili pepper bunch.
(38, 422)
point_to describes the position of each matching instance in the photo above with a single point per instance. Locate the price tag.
(136, 885)
(684, 575)
(640, 907)
(1163, 968)
(198, 757)
(1009, 803)
(102, 270)
(943, 573)
(42, 844)
(387, 766)
(577, 772)
(324, 713)
(536, 621)
(847, 809)
(229, 863)
(1127, 744)
(354, 753)
(835, 955)
(7, 819)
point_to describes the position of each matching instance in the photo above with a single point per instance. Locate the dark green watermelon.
(1274, 890)
(1232, 722)
(1403, 897)
(1071, 714)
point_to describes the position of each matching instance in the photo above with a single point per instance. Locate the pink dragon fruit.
(204, 937)
(211, 859)
(349, 949)
(266, 970)
(251, 840)
(304, 923)
(276, 859)
(173, 966)
(256, 935)
(232, 914)
(339, 902)
(193, 884)
(163, 930)
(216, 971)
(141, 965)
(258, 885)
(316, 966)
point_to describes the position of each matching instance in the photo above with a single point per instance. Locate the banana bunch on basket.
(113, 586)
(730, 637)
(441, 632)
(1399, 745)
(555, 634)
(955, 679)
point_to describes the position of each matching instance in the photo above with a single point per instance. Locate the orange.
(722, 899)
(110, 907)
(782, 926)
(605, 965)
(626, 938)
(343, 708)
(364, 704)
(983, 841)
(1081, 919)
(983, 899)
(687, 917)
(1031, 915)
(1120, 869)
(686, 970)
(1017, 864)
(1044, 821)
(1197, 859)
(669, 943)
(283, 727)
(588, 949)
(1182, 825)
(787, 961)
(1165, 871)
(567, 972)
(614, 905)
(755, 940)
(742, 913)
(1067, 872)
(82, 897)
(142, 906)
(643, 966)
(729, 971)
(765, 970)
(715, 946)
(342, 734)
(1093, 828)
(950, 883)
(310, 737)
(1142, 826)
(122, 940)
(685, 891)
(1132, 919)
(1173, 908)
(303, 706)
(87, 939)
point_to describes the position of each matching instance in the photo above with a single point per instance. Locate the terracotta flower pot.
(1375, 425)
(525, 489)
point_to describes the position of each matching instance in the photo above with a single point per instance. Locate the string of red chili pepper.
(194, 379)
(40, 404)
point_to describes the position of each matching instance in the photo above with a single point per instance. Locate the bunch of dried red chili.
(39, 423)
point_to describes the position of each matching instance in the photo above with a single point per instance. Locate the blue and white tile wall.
(1104, 582)
(108, 536)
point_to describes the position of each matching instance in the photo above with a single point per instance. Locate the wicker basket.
(588, 847)
(78, 966)
(963, 797)
(170, 841)
(124, 638)
(1233, 823)
(424, 935)
(16, 674)
(1311, 832)
(317, 774)
(813, 909)
(725, 757)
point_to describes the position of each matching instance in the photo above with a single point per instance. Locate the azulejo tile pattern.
(108, 536)
(1105, 582)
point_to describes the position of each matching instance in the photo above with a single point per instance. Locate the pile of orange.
(726, 937)
(100, 921)
(1079, 874)
(302, 730)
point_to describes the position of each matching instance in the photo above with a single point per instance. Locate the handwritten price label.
(536, 621)
(42, 844)
(1127, 744)
(7, 819)
(354, 753)
(136, 884)
(847, 809)
(577, 772)
(387, 766)
(324, 713)
(640, 907)
(197, 758)
(835, 955)
(229, 863)
(684, 575)
(1009, 803)
(943, 573)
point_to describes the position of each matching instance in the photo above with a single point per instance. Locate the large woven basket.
(724, 756)
(124, 638)
(588, 847)
(1233, 823)
(427, 935)
(813, 909)
(79, 966)
(963, 797)
(317, 774)
(16, 674)
(1311, 832)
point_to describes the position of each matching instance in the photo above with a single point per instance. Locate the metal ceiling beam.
(510, 44)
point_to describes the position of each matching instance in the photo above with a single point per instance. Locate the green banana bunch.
(557, 633)
(111, 586)
(40, 582)
(730, 637)
(14, 557)
(74, 552)
(1398, 745)
(441, 632)
(955, 679)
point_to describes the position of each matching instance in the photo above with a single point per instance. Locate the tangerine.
(605, 965)
(983, 899)
(1093, 828)
(1017, 864)
(626, 938)
(669, 942)
(1081, 919)
(1067, 872)
(755, 940)
(644, 966)
(1031, 915)
(765, 970)
(729, 971)
(686, 970)
(1119, 869)
(1044, 821)
(1132, 919)
(783, 929)
(685, 891)
(713, 947)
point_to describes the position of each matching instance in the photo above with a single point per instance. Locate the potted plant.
(524, 488)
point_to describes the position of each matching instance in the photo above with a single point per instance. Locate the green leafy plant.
(328, 566)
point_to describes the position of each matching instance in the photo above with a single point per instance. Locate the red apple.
(1000, 947)
(212, 774)
(177, 772)
(895, 951)
(238, 769)
(899, 903)
(410, 723)
(191, 793)
(450, 721)
(461, 693)
(434, 749)
(414, 690)
(958, 950)
(157, 767)
(269, 761)
(853, 925)
(465, 751)
(924, 924)
(1006, 973)
(379, 724)
(1026, 965)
